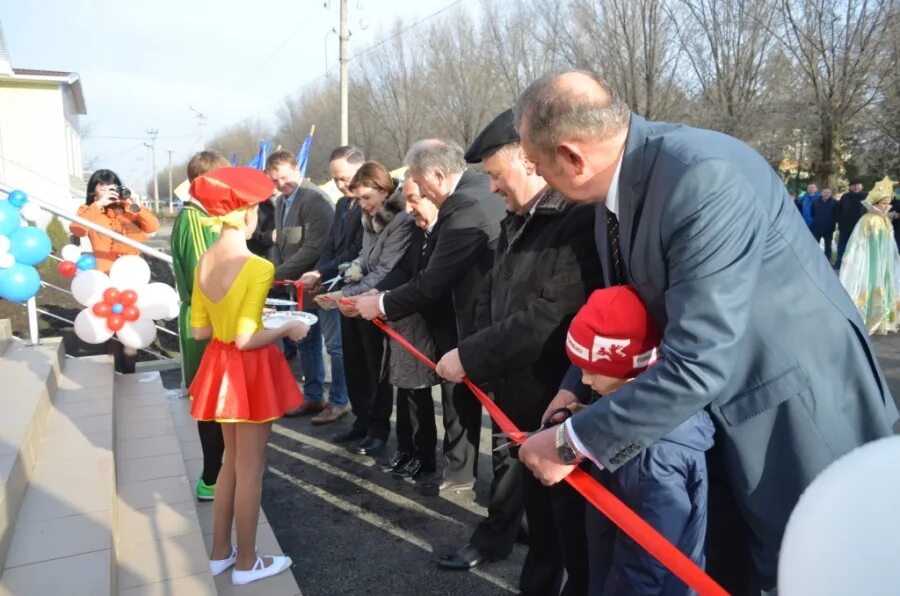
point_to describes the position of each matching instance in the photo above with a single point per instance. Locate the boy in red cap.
(612, 340)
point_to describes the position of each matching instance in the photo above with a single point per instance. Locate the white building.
(40, 136)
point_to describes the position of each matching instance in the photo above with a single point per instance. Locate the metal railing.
(31, 304)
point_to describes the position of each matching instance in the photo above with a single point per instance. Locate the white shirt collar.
(612, 196)
(456, 184)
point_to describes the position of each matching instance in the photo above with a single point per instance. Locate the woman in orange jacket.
(106, 207)
(108, 204)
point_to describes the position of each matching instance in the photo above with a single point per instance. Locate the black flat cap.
(501, 131)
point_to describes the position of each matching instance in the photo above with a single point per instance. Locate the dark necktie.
(617, 275)
(425, 241)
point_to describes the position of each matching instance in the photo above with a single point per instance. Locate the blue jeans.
(312, 360)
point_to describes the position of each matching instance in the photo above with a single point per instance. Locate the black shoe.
(462, 559)
(350, 435)
(368, 446)
(436, 487)
(397, 461)
(408, 470)
(426, 472)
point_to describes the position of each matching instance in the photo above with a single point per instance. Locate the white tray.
(276, 320)
(280, 302)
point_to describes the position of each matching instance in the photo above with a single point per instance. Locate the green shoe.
(205, 492)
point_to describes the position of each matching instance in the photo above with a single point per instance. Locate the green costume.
(190, 239)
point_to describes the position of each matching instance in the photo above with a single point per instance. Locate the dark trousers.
(843, 238)
(556, 528)
(827, 236)
(462, 432)
(213, 446)
(371, 397)
(416, 430)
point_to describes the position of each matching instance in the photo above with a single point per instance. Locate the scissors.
(332, 282)
(511, 447)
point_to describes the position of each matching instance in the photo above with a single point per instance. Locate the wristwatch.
(134, 208)
(563, 449)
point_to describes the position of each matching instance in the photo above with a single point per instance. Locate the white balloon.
(70, 252)
(158, 301)
(138, 334)
(844, 534)
(4, 244)
(31, 211)
(7, 260)
(90, 328)
(130, 272)
(88, 286)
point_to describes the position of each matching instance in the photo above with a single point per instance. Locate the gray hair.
(555, 113)
(435, 154)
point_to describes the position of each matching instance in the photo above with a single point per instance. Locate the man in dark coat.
(262, 240)
(850, 209)
(748, 307)
(544, 268)
(824, 218)
(459, 251)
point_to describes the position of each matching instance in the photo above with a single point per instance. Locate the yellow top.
(240, 310)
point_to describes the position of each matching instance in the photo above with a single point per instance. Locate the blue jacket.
(804, 204)
(666, 484)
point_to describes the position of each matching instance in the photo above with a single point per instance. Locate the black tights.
(213, 446)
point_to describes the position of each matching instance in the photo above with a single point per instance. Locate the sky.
(144, 64)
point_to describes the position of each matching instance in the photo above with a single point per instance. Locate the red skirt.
(235, 385)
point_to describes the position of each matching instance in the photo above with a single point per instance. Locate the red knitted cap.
(224, 190)
(613, 334)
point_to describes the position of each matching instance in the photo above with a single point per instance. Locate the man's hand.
(538, 454)
(310, 280)
(450, 367)
(563, 399)
(368, 307)
(347, 306)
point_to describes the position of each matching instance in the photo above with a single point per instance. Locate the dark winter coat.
(849, 210)
(345, 240)
(545, 267)
(667, 485)
(824, 216)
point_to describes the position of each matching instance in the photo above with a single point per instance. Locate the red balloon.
(111, 296)
(115, 322)
(128, 298)
(102, 309)
(67, 269)
(130, 313)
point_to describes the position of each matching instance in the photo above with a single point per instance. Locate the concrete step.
(159, 542)
(62, 539)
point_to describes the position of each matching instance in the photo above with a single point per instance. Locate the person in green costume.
(189, 241)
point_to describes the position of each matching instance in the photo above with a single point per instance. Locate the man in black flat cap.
(544, 268)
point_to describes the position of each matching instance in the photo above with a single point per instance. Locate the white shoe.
(222, 565)
(260, 571)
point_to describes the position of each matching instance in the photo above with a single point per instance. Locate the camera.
(124, 193)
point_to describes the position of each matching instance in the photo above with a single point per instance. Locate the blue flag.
(233, 159)
(259, 162)
(303, 155)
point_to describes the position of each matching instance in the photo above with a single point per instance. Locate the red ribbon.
(297, 285)
(608, 504)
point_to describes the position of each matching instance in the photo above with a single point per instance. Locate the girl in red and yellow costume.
(243, 381)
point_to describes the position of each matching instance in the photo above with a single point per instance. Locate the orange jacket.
(132, 225)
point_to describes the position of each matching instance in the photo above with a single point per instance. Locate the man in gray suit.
(750, 308)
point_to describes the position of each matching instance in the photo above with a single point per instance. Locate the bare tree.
(839, 53)
(634, 44)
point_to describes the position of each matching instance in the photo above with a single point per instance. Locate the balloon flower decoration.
(21, 248)
(73, 261)
(123, 303)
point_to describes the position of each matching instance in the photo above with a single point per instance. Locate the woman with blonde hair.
(243, 381)
(870, 271)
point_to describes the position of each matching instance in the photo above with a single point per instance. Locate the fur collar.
(394, 204)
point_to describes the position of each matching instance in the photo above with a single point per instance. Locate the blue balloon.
(19, 282)
(17, 199)
(30, 245)
(9, 218)
(117, 309)
(86, 262)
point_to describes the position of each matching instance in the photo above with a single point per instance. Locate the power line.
(136, 138)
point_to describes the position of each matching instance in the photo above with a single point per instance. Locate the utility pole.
(201, 123)
(153, 132)
(171, 198)
(345, 38)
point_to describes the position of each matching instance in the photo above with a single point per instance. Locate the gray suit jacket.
(302, 231)
(756, 324)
